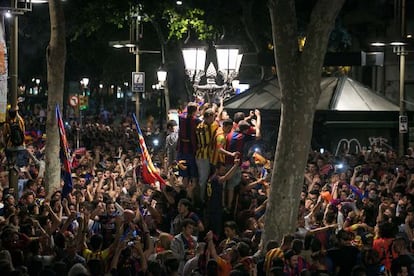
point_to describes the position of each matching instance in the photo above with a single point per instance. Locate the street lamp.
(101, 96)
(194, 61)
(126, 94)
(82, 104)
(163, 85)
(399, 48)
(228, 61)
(135, 33)
(403, 121)
(161, 75)
(85, 82)
(35, 90)
(12, 12)
(15, 9)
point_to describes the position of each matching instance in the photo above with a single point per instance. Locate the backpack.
(16, 134)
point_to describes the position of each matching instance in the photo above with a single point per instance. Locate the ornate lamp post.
(399, 48)
(228, 61)
(194, 61)
(162, 80)
(162, 86)
(83, 102)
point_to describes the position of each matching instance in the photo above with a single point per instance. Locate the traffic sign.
(74, 101)
(83, 102)
(403, 124)
(138, 81)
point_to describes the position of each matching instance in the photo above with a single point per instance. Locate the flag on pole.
(149, 172)
(64, 155)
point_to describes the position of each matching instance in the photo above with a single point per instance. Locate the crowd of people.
(355, 215)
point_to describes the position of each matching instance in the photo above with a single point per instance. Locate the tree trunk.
(56, 59)
(299, 75)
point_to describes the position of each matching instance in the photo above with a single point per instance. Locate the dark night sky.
(92, 56)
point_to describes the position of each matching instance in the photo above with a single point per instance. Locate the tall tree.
(299, 75)
(56, 59)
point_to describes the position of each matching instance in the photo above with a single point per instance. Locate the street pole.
(165, 85)
(402, 53)
(137, 93)
(78, 127)
(167, 99)
(14, 44)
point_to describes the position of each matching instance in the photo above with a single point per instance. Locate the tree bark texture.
(299, 75)
(56, 59)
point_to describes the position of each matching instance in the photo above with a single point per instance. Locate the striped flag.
(149, 172)
(64, 155)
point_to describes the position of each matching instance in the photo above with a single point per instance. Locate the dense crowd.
(355, 215)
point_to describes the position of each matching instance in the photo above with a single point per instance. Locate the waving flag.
(64, 155)
(149, 172)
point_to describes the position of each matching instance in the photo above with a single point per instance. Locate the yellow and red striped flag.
(150, 174)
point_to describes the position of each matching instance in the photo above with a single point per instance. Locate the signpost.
(403, 124)
(138, 82)
(74, 101)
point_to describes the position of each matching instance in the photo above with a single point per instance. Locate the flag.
(64, 155)
(261, 160)
(149, 172)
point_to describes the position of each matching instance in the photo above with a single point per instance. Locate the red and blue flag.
(150, 174)
(64, 156)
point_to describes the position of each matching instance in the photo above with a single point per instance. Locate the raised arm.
(115, 259)
(68, 222)
(258, 124)
(211, 246)
(142, 256)
(230, 172)
(55, 219)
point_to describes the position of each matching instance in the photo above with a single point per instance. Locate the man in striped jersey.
(205, 132)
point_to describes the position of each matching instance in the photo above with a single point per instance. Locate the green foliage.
(97, 15)
(192, 20)
(94, 16)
